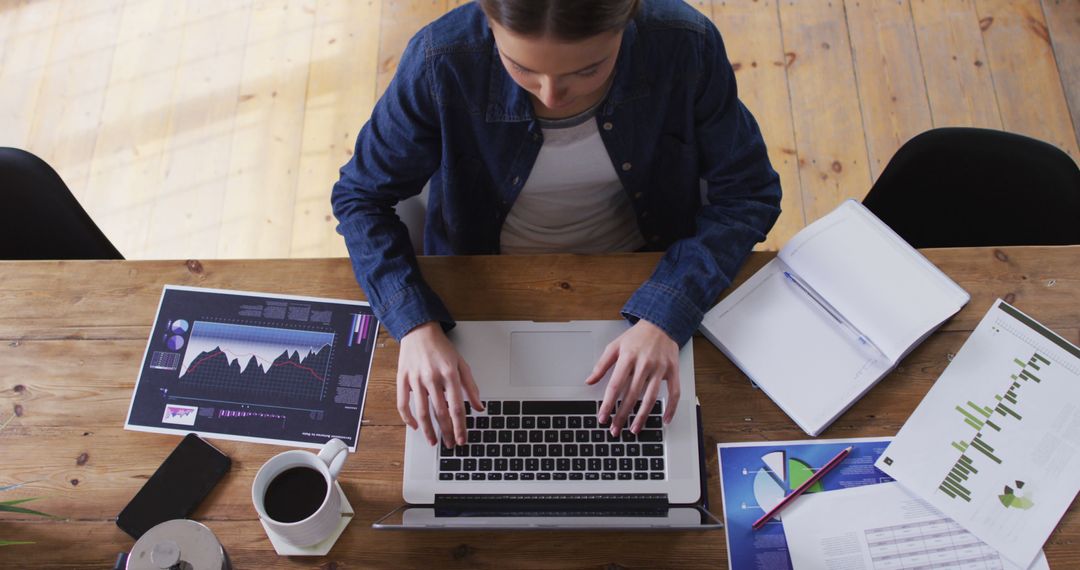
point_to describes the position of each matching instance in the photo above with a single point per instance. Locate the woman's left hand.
(643, 357)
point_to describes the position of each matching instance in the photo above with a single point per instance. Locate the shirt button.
(536, 136)
(608, 126)
(517, 180)
(626, 166)
(637, 196)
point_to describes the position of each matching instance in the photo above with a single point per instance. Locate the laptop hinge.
(621, 504)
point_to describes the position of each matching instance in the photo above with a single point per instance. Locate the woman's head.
(562, 52)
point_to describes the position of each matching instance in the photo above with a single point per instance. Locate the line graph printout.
(995, 444)
(255, 367)
(756, 476)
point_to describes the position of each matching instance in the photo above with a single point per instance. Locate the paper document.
(756, 476)
(882, 527)
(995, 444)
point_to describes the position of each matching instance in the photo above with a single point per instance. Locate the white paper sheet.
(882, 527)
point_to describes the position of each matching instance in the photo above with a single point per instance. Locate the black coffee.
(295, 494)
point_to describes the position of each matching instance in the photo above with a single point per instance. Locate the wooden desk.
(72, 335)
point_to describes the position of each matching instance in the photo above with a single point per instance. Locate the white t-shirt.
(573, 201)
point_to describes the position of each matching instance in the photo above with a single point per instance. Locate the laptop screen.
(408, 517)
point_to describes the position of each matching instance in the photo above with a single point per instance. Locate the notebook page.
(882, 286)
(787, 345)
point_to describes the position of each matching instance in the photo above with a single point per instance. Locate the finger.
(647, 401)
(615, 386)
(610, 354)
(641, 373)
(471, 390)
(403, 400)
(423, 412)
(457, 408)
(673, 392)
(437, 395)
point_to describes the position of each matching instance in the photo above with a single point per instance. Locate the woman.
(558, 125)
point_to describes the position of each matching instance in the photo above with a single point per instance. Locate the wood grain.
(1063, 23)
(27, 39)
(829, 135)
(958, 81)
(892, 91)
(1021, 58)
(399, 21)
(751, 33)
(72, 384)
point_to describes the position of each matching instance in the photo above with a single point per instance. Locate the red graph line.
(219, 351)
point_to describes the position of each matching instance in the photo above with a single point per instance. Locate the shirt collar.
(508, 102)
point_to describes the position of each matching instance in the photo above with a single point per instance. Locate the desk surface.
(72, 335)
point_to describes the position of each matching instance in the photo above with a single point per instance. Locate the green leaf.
(15, 502)
(8, 506)
(11, 542)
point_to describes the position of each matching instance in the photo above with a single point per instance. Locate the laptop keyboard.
(553, 441)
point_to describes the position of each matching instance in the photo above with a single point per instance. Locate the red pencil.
(809, 482)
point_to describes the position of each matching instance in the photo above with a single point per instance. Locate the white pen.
(840, 320)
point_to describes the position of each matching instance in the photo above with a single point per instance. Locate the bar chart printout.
(994, 444)
(255, 367)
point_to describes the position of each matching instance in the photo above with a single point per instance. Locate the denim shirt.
(452, 114)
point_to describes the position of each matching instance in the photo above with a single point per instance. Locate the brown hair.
(569, 20)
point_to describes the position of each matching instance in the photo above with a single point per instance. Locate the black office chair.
(964, 187)
(40, 218)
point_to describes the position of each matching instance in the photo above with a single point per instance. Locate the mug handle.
(333, 455)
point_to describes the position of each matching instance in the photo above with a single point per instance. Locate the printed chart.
(255, 367)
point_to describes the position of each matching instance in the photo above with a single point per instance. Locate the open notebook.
(838, 308)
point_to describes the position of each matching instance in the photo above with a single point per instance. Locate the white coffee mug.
(317, 527)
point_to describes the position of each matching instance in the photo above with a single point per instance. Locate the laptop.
(536, 457)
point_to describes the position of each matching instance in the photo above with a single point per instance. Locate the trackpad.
(551, 358)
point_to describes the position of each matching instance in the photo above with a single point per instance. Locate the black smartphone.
(177, 487)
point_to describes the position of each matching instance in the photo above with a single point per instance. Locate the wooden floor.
(210, 128)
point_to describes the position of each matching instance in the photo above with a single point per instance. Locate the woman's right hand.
(431, 370)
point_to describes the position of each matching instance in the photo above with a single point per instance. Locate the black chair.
(40, 218)
(964, 187)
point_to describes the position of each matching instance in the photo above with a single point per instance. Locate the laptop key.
(524, 450)
(469, 422)
(560, 408)
(655, 422)
(651, 449)
(641, 464)
(469, 464)
(607, 476)
(566, 436)
(449, 465)
(511, 408)
(579, 464)
(628, 436)
(633, 450)
(498, 423)
(574, 422)
(598, 436)
(554, 450)
(517, 464)
(595, 464)
(624, 476)
(446, 476)
(479, 476)
(592, 476)
(490, 436)
(528, 476)
(626, 464)
(589, 422)
(602, 450)
(551, 436)
(528, 423)
(461, 476)
(547, 464)
(618, 450)
(501, 464)
(656, 464)
(585, 450)
(651, 435)
(508, 450)
(569, 450)
(581, 436)
(494, 408)
(521, 436)
(539, 450)
(609, 437)
(446, 451)
(543, 476)
(559, 476)
(532, 464)
(485, 464)
(543, 422)
(640, 475)
(656, 408)
(492, 450)
(536, 436)
(506, 436)
(558, 423)
(656, 475)
(513, 423)
(461, 451)
(575, 476)
(476, 450)
(474, 436)
(483, 422)
(611, 464)
(562, 465)
(494, 476)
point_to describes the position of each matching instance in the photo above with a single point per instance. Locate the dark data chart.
(255, 367)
